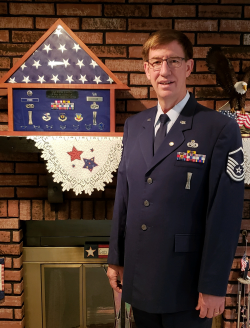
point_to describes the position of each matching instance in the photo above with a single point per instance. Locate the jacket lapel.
(175, 137)
(146, 137)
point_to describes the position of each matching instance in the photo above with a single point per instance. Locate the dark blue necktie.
(161, 133)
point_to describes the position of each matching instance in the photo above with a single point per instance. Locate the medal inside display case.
(61, 110)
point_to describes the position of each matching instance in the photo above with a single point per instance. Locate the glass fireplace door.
(76, 296)
(62, 296)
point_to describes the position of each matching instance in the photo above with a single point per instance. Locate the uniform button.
(146, 203)
(144, 227)
(171, 143)
(149, 180)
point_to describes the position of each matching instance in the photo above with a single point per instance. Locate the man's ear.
(146, 69)
(189, 66)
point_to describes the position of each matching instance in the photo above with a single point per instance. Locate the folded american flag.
(1, 278)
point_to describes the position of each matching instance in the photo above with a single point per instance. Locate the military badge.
(94, 118)
(63, 127)
(46, 117)
(101, 126)
(62, 117)
(88, 126)
(94, 106)
(192, 144)
(49, 126)
(78, 117)
(29, 93)
(30, 117)
(30, 106)
(235, 165)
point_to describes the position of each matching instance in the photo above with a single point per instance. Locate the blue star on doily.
(89, 163)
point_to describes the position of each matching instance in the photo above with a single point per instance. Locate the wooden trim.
(44, 37)
(60, 134)
(3, 92)
(63, 86)
(112, 110)
(10, 109)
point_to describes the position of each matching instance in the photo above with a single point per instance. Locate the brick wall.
(115, 31)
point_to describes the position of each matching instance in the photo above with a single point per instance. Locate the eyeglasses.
(173, 62)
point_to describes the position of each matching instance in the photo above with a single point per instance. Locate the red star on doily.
(75, 154)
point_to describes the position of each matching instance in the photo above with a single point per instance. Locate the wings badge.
(235, 165)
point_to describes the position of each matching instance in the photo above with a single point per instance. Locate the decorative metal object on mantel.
(62, 96)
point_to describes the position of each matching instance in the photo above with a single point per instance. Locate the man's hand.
(210, 305)
(113, 272)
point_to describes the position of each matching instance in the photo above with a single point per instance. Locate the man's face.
(169, 83)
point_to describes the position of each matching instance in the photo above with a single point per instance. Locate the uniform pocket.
(189, 164)
(187, 243)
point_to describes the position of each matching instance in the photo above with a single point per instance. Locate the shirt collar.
(174, 112)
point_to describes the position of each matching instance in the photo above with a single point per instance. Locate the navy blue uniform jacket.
(181, 241)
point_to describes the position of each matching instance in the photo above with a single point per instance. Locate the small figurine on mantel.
(235, 87)
(245, 267)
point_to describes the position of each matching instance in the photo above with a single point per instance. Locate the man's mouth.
(167, 82)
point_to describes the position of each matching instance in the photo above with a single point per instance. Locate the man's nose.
(165, 70)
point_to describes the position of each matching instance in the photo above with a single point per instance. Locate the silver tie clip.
(189, 176)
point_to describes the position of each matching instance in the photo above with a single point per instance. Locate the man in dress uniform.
(179, 198)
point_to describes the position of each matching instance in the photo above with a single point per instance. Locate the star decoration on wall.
(55, 78)
(93, 63)
(83, 78)
(23, 66)
(80, 63)
(75, 154)
(69, 78)
(89, 163)
(26, 79)
(36, 63)
(41, 79)
(97, 79)
(76, 47)
(90, 251)
(62, 48)
(47, 48)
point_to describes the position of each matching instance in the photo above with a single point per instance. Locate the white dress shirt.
(173, 113)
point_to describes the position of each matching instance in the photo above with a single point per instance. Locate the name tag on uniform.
(191, 156)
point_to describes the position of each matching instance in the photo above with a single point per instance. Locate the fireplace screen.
(64, 290)
(68, 288)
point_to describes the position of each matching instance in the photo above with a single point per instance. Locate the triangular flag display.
(59, 59)
(60, 87)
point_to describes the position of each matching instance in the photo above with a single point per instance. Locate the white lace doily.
(246, 148)
(81, 163)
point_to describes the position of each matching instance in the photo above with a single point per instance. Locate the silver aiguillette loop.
(189, 176)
